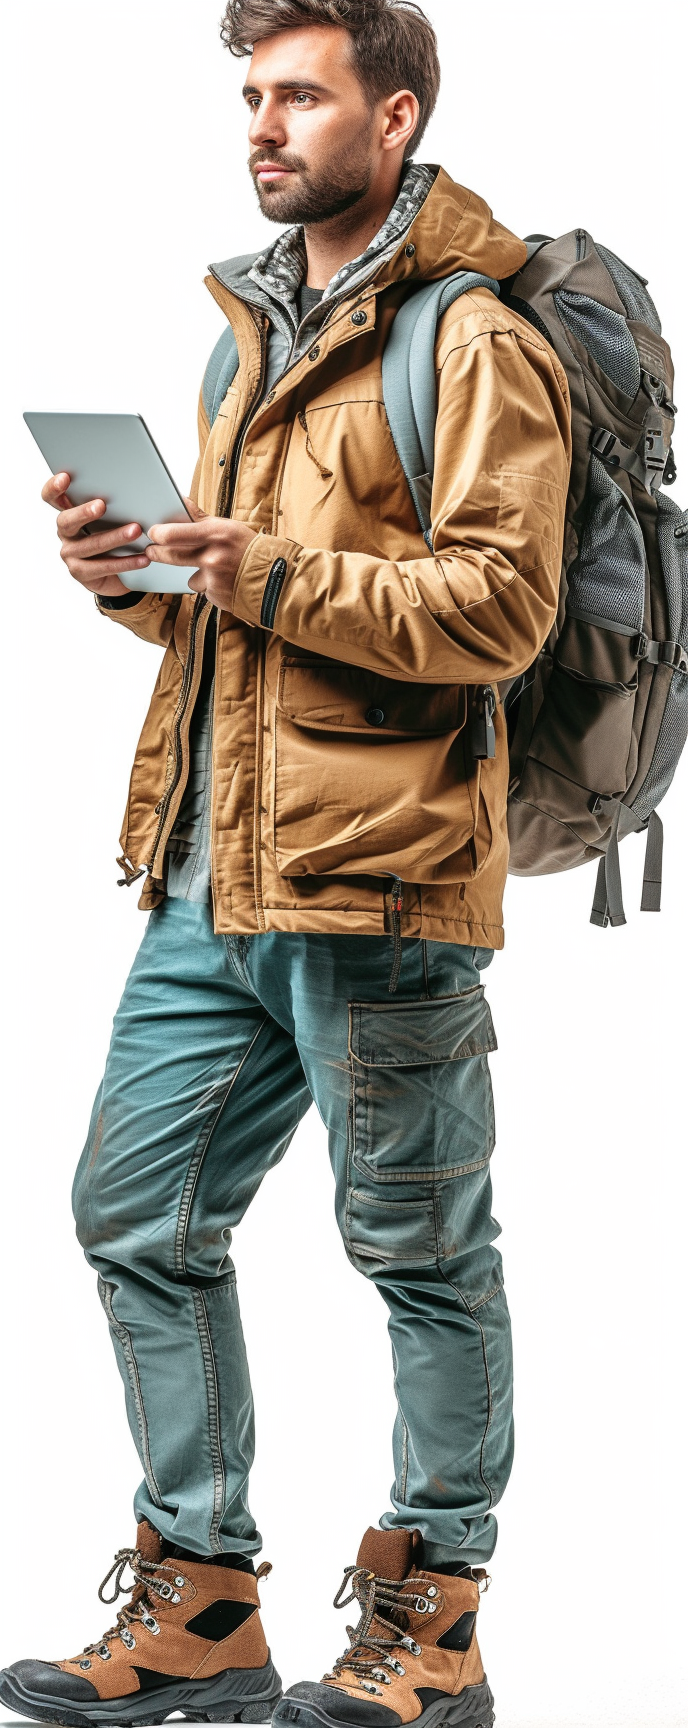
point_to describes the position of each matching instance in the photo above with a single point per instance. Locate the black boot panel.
(52, 1682)
(334, 1705)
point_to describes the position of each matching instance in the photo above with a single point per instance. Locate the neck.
(331, 245)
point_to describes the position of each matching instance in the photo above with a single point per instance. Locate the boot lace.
(149, 1581)
(370, 1655)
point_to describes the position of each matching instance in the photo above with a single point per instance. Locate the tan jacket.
(317, 804)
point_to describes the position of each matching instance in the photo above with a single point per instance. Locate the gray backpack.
(598, 723)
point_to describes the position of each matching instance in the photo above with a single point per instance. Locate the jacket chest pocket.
(422, 1109)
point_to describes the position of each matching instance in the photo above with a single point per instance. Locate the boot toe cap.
(340, 1706)
(45, 1680)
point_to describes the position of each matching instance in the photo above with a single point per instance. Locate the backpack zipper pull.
(483, 738)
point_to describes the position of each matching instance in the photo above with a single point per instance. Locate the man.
(324, 855)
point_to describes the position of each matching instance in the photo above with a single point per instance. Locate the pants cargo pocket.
(422, 1122)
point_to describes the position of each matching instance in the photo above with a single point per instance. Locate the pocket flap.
(331, 697)
(446, 1029)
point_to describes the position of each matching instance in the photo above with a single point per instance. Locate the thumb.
(195, 513)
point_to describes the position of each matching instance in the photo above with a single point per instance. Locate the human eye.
(302, 98)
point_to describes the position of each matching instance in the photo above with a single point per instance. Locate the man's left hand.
(215, 543)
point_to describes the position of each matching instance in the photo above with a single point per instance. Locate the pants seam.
(196, 1164)
(123, 1336)
(488, 1298)
(214, 1435)
(488, 1383)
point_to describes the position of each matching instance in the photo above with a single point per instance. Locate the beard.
(320, 193)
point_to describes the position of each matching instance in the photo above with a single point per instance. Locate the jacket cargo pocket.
(422, 1123)
(371, 776)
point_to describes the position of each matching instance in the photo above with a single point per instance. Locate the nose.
(266, 127)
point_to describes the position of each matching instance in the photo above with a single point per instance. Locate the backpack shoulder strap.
(408, 381)
(220, 372)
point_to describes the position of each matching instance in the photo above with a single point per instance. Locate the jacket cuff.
(264, 569)
(118, 602)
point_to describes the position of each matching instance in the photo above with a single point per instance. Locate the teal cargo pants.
(219, 1046)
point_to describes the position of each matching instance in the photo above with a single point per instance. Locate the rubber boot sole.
(472, 1708)
(237, 1695)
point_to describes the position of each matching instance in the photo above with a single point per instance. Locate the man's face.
(312, 130)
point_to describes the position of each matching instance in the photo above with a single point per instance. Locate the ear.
(400, 116)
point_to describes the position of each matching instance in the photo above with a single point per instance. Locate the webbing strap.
(652, 878)
(409, 385)
(607, 906)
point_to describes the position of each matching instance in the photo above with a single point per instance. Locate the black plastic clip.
(483, 737)
(670, 469)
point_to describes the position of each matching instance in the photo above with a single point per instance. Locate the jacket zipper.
(187, 681)
(199, 606)
(581, 244)
(397, 903)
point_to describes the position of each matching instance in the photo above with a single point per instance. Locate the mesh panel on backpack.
(606, 336)
(631, 289)
(607, 579)
(598, 725)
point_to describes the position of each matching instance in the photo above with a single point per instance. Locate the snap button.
(222, 461)
(375, 716)
(410, 250)
(314, 353)
(359, 317)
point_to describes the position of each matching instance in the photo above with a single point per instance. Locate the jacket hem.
(330, 922)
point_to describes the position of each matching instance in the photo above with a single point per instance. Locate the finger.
(176, 555)
(194, 510)
(76, 516)
(88, 568)
(55, 489)
(94, 545)
(181, 533)
(198, 582)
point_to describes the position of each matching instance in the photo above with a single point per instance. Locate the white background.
(126, 149)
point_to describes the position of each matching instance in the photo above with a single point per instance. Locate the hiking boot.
(189, 1639)
(414, 1655)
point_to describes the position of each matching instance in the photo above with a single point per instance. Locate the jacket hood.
(456, 230)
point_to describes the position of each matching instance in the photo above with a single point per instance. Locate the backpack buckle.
(603, 443)
(655, 455)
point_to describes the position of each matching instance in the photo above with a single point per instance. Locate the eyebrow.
(288, 84)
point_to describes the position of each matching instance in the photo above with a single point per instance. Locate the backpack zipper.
(581, 244)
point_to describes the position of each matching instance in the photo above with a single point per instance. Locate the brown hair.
(394, 45)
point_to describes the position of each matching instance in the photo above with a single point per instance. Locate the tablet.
(112, 456)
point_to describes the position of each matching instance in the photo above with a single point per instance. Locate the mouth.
(270, 171)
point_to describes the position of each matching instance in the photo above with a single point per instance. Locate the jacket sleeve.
(480, 609)
(152, 616)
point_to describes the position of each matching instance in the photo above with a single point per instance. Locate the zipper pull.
(483, 736)
(131, 874)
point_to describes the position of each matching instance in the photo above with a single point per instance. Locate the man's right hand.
(82, 553)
